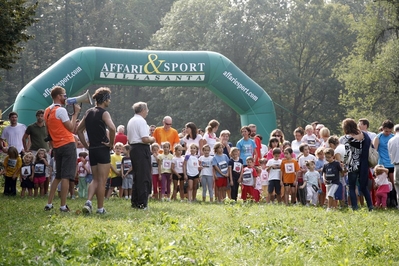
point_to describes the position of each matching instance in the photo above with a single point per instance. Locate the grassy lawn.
(174, 233)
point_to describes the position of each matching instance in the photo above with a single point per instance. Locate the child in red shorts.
(248, 181)
(220, 170)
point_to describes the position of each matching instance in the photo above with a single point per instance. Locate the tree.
(15, 18)
(370, 72)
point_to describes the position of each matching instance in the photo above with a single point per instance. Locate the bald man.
(166, 133)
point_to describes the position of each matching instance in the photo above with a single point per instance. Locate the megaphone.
(84, 98)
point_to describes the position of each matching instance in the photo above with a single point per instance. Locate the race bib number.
(237, 167)
(166, 164)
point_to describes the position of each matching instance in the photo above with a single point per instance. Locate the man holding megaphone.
(60, 129)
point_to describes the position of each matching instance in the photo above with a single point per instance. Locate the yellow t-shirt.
(116, 161)
(166, 163)
(12, 166)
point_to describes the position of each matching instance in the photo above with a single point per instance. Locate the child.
(177, 170)
(275, 183)
(127, 173)
(264, 178)
(235, 171)
(191, 170)
(331, 171)
(39, 177)
(383, 185)
(311, 181)
(273, 143)
(156, 183)
(12, 166)
(248, 181)
(205, 162)
(81, 172)
(115, 175)
(220, 170)
(165, 170)
(310, 139)
(319, 168)
(289, 171)
(304, 157)
(26, 177)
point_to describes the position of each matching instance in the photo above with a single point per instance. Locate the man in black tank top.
(96, 122)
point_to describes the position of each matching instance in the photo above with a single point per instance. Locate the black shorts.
(289, 184)
(390, 170)
(116, 181)
(65, 156)
(274, 185)
(99, 155)
(192, 177)
(175, 177)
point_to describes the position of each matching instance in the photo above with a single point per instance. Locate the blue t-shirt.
(221, 161)
(383, 150)
(247, 149)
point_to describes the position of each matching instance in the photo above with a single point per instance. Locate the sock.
(100, 209)
(63, 207)
(49, 204)
(88, 201)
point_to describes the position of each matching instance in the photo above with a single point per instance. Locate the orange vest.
(59, 134)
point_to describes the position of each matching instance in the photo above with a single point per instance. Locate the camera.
(48, 138)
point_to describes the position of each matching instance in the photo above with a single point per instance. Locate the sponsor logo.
(63, 81)
(154, 70)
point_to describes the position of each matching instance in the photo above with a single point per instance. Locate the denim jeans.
(363, 181)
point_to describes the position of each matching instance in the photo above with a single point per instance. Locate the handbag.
(373, 156)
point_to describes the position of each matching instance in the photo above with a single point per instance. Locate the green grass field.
(175, 233)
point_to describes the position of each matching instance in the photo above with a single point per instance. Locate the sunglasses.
(168, 124)
(278, 136)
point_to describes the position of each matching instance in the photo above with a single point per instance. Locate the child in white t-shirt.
(264, 178)
(275, 182)
(206, 173)
(191, 170)
(177, 170)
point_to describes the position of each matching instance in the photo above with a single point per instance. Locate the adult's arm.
(80, 130)
(111, 128)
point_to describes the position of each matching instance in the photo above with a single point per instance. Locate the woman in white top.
(210, 134)
(192, 137)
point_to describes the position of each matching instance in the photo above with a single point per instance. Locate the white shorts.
(331, 189)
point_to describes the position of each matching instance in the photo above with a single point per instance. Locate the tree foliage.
(370, 72)
(15, 18)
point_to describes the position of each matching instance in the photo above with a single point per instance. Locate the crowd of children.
(278, 174)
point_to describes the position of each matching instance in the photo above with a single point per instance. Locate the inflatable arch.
(93, 65)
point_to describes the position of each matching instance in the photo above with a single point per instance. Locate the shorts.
(339, 194)
(27, 183)
(289, 184)
(221, 182)
(192, 177)
(116, 181)
(127, 182)
(65, 156)
(89, 178)
(331, 189)
(39, 180)
(274, 185)
(175, 177)
(99, 155)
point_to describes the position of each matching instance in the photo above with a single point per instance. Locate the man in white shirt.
(364, 126)
(13, 133)
(140, 154)
(393, 150)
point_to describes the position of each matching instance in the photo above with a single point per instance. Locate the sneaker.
(87, 208)
(101, 212)
(48, 207)
(73, 197)
(65, 210)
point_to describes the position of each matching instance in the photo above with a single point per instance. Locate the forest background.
(318, 60)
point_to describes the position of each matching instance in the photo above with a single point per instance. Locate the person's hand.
(76, 108)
